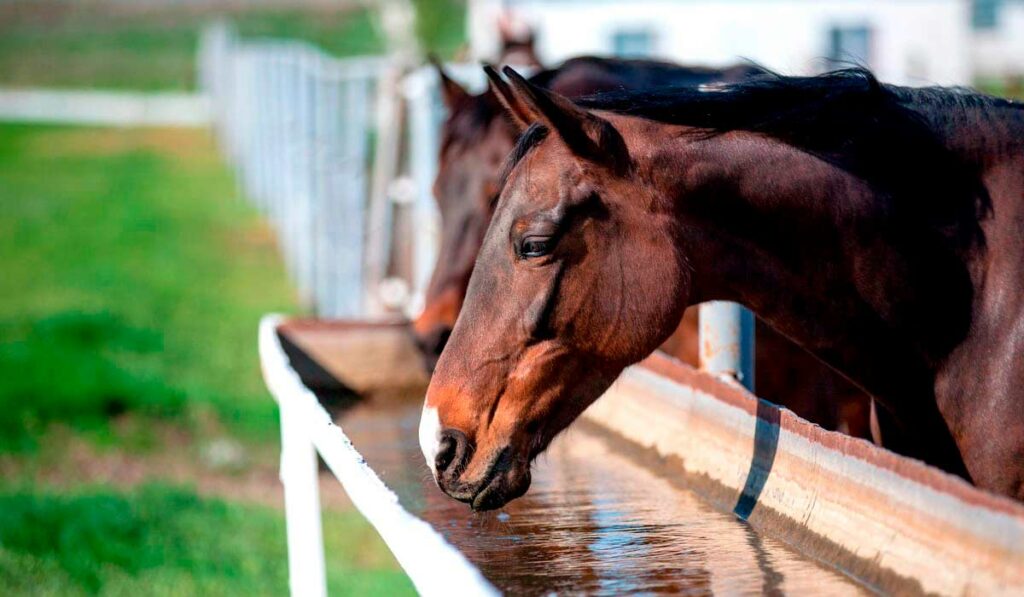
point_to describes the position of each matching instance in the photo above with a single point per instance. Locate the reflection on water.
(594, 521)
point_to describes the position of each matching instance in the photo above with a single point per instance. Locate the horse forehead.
(545, 174)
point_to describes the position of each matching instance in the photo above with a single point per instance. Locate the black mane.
(585, 75)
(770, 96)
(886, 135)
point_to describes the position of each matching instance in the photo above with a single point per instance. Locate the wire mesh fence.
(298, 127)
(340, 155)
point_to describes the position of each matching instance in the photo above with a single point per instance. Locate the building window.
(635, 43)
(849, 45)
(985, 13)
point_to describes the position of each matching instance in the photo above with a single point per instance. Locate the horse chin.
(500, 490)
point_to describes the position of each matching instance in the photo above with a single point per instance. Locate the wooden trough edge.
(432, 563)
(892, 522)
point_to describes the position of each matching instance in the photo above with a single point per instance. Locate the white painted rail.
(434, 566)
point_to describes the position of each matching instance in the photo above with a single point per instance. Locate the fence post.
(359, 227)
(424, 122)
(726, 341)
(385, 166)
(300, 477)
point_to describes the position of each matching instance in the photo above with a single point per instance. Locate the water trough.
(673, 481)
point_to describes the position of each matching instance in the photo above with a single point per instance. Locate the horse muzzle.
(505, 476)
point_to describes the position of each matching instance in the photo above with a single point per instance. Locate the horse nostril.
(445, 454)
(452, 452)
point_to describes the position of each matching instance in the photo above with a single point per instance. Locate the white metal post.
(322, 150)
(424, 120)
(338, 183)
(300, 477)
(727, 341)
(356, 226)
(305, 150)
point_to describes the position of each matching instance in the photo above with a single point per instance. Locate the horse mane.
(768, 96)
(891, 137)
(469, 122)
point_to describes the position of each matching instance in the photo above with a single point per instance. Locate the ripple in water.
(594, 521)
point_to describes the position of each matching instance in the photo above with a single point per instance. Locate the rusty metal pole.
(727, 341)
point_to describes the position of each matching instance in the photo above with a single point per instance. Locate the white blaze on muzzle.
(430, 435)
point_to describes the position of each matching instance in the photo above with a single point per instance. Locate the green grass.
(1011, 88)
(71, 44)
(441, 25)
(133, 282)
(75, 46)
(160, 540)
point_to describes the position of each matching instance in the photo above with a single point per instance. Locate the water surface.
(595, 521)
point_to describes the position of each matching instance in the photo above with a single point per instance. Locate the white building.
(998, 50)
(913, 42)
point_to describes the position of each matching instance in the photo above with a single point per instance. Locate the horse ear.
(587, 136)
(452, 94)
(518, 112)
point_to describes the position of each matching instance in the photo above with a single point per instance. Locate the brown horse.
(788, 376)
(477, 136)
(880, 227)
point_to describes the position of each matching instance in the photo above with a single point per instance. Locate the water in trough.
(595, 521)
(600, 517)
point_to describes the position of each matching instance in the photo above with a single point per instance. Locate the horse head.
(578, 276)
(475, 138)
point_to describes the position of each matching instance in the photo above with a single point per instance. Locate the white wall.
(914, 41)
(999, 52)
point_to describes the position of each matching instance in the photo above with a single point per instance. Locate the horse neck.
(810, 249)
(982, 135)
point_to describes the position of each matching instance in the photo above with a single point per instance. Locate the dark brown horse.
(477, 136)
(880, 227)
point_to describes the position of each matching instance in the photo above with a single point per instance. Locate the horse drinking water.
(879, 227)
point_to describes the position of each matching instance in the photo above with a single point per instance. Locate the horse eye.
(535, 247)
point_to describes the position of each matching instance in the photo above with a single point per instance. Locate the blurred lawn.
(131, 286)
(75, 45)
(1012, 88)
(127, 46)
(159, 540)
(131, 289)
(132, 283)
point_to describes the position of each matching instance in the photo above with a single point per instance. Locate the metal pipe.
(727, 341)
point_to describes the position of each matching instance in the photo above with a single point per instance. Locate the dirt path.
(218, 467)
